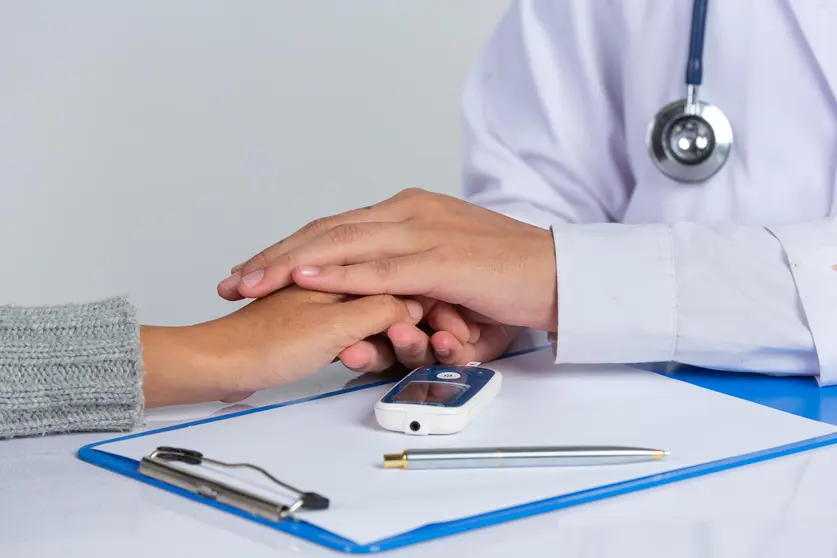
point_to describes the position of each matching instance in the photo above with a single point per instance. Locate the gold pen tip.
(395, 460)
(659, 454)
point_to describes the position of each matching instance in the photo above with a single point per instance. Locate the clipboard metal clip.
(158, 466)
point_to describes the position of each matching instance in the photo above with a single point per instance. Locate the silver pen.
(524, 456)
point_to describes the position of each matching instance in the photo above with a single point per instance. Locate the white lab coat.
(732, 274)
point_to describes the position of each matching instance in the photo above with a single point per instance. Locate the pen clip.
(157, 465)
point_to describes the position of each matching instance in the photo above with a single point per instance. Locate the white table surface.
(53, 504)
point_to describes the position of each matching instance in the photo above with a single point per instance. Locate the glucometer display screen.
(439, 393)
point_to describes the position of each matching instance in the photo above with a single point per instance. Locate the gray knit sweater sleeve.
(70, 368)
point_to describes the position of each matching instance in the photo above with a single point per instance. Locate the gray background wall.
(147, 146)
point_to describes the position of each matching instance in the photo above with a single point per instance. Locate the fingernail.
(443, 352)
(309, 271)
(402, 346)
(414, 308)
(231, 282)
(474, 333)
(252, 279)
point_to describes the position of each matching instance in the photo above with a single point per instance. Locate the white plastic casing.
(430, 419)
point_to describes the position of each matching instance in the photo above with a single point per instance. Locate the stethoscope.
(690, 140)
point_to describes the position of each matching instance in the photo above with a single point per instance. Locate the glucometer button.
(449, 375)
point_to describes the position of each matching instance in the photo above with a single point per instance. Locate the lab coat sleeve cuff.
(616, 294)
(811, 250)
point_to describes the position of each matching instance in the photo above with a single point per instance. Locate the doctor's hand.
(417, 244)
(276, 340)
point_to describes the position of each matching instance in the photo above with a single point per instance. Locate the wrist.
(184, 365)
(547, 284)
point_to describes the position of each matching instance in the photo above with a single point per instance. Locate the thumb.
(370, 315)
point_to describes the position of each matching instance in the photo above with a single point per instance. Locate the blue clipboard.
(800, 396)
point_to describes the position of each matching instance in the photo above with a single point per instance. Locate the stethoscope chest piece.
(689, 140)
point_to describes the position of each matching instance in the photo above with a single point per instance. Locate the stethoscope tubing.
(694, 66)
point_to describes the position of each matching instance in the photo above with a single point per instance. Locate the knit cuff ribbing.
(70, 368)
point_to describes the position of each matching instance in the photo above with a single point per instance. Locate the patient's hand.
(284, 337)
(451, 335)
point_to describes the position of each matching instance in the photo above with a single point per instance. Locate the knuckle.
(273, 267)
(258, 261)
(394, 303)
(437, 204)
(345, 233)
(315, 226)
(283, 261)
(413, 195)
(391, 305)
(385, 269)
(428, 203)
(411, 192)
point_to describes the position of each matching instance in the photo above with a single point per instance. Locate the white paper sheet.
(333, 446)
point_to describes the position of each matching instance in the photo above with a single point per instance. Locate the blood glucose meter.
(438, 399)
